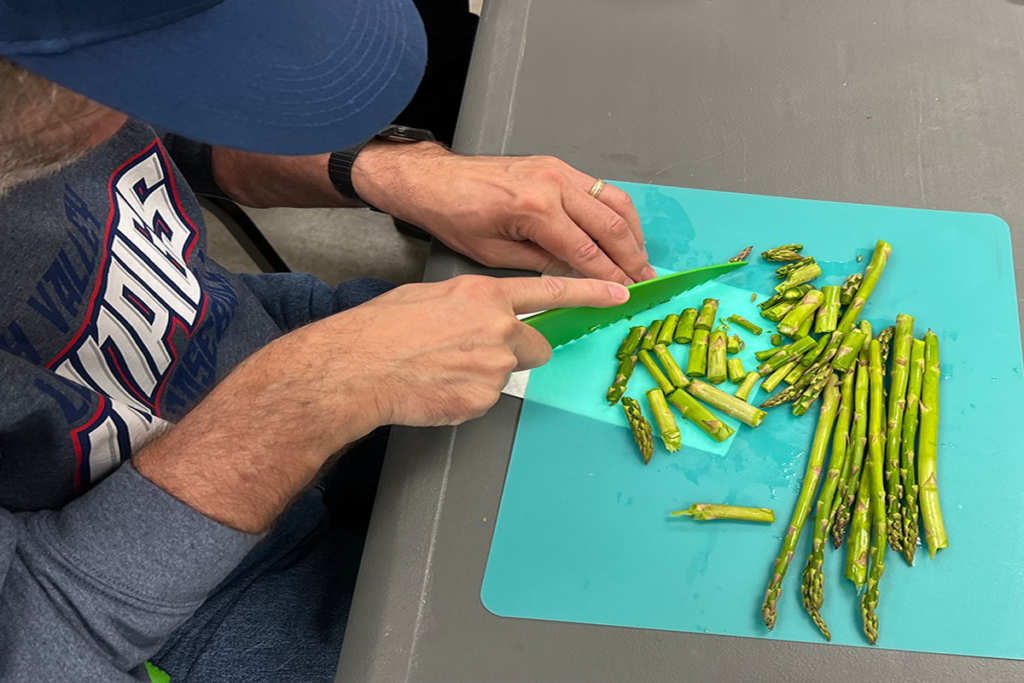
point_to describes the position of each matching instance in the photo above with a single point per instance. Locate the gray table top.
(901, 102)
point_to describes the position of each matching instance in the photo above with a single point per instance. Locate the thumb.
(528, 294)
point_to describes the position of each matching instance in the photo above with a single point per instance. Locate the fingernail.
(630, 281)
(618, 292)
(649, 273)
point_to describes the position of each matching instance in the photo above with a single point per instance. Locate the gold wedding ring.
(596, 189)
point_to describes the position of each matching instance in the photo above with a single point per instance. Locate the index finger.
(529, 294)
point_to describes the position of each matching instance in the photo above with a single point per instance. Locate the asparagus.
(672, 370)
(779, 310)
(849, 349)
(707, 315)
(651, 338)
(668, 330)
(885, 342)
(813, 382)
(766, 354)
(706, 512)
(734, 344)
(871, 275)
(742, 256)
(815, 353)
(640, 427)
(783, 271)
(717, 348)
(631, 343)
(667, 426)
(799, 276)
(934, 529)
(795, 374)
(694, 411)
(814, 578)
(858, 442)
(749, 382)
(736, 371)
(786, 252)
(828, 314)
(794, 294)
(744, 323)
(785, 354)
(697, 363)
(803, 504)
(907, 455)
(622, 375)
(655, 372)
(849, 288)
(727, 403)
(775, 339)
(805, 328)
(860, 532)
(897, 402)
(780, 374)
(804, 310)
(684, 328)
(876, 453)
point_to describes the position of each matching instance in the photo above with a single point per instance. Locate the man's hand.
(533, 213)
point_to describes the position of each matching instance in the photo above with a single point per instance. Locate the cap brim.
(261, 75)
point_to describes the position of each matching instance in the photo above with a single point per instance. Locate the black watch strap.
(340, 163)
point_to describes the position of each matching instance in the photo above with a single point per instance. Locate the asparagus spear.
(783, 271)
(860, 532)
(736, 371)
(786, 252)
(855, 453)
(803, 504)
(795, 374)
(815, 353)
(897, 403)
(734, 344)
(766, 354)
(785, 354)
(805, 328)
(684, 328)
(780, 374)
(934, 528)
(828, 314)
(670, 435)
(631, 343)
(651, 338)
(694, 411)
(697, 363)
(885, 342)
(907, 456)
(849, 288)
(706, 512)
(708, 313)
(799, 276)
(744, 323)
(668, 330)
(779, 310)
(640, 427)
(876, 452)
(672, 370)
(742, 256)
(622, 375)
(814, 578)
(871, 275)
(849, 349)
(804, 310)
(727, 403)
(794, 294)
(717, 348)
(660, 379)
(749, 382)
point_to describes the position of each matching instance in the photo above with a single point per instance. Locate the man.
(162, 420)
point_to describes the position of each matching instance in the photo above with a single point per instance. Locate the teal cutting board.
(583, 533)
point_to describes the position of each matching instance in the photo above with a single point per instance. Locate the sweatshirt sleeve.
(92, 591)
(194, 160)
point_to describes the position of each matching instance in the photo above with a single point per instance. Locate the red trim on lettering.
(177, 200)
(127, 382)
(77, 440)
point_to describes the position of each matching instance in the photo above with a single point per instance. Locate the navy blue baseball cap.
(276, 76)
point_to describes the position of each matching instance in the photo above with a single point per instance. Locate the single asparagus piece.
(794, 294)
(855, 453)
(814, 578)
(749, 382)
(805, 328)
(727, 403)
(742, 256)
(667, 426)
(928, 491)
(668, 330)
(766, 354)
(776, 377)
(651, 338)
(697, 362)
(744, 323)
(860, 532)
(672, 370)
(785, 354)
(785, 252)
(717, 348)
(894, 432)
(907, 454)
(708, 313)
(849, 350)
(804, 310)
(828, 314)
(799, 276)
(640, 427)
(885, 342)
(876, 466)
(803, 505)
(849, 288)
(663, 382)
(783, 271)
(684, 328)
(779, 310)
(622, 375)
(815, 353)
(736, 371)
(795, 374)
(631, 343)
(694, 411)
(706, 512)
(775, 339)
(871, 275)
(734, 344)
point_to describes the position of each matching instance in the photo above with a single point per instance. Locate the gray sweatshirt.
(113, 324)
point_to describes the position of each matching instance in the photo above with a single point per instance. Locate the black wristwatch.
(339, 166)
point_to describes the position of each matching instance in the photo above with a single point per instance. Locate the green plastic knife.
(562, 325)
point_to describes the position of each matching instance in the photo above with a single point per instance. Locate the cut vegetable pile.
(877, 423)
